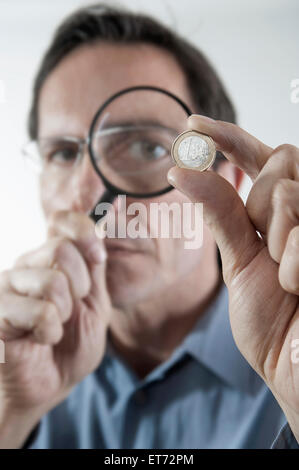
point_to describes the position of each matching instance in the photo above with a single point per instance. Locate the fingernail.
(170, 177)
(202, 117)
(97, 254)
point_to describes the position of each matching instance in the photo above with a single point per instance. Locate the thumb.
(99, 298)
(225, 215)
(99, 289)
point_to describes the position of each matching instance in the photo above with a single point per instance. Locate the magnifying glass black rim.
(108, 185)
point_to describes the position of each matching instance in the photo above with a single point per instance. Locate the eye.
(62, 156)
(147, 150)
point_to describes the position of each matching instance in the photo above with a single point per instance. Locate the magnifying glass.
(130, 141)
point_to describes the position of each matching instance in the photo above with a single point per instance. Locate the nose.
(87, 186)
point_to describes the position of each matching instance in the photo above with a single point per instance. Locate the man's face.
(68, 101)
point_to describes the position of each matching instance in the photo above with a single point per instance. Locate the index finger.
(241, 148)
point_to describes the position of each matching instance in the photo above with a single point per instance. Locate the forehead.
(88, 76)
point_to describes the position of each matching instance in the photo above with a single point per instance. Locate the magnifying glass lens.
(131, 140)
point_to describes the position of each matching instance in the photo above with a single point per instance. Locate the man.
(127, 343)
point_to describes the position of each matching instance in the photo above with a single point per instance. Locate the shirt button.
(140, 397)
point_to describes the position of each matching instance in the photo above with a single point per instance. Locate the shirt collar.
(212, 345)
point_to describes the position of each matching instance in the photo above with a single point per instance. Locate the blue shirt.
(204, 396)
(285, 439)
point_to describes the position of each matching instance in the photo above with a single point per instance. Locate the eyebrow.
(126, 125)
(62, 138)
(115, 126)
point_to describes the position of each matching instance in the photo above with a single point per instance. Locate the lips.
(120, 247)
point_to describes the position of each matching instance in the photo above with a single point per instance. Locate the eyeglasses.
(61, 151)
(127, 149)
(129, 144)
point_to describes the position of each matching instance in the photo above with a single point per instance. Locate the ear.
(231, 173)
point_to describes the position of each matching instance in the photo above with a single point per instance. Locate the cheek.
(55, 193)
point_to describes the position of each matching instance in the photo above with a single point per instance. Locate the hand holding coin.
(258, 243)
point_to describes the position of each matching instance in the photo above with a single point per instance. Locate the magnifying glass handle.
(108, 196)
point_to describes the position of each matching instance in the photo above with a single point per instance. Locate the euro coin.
(194, 151)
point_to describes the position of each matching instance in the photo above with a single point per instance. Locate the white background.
(253, 44)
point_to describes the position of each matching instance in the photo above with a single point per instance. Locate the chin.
(128, 284)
